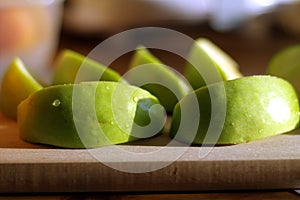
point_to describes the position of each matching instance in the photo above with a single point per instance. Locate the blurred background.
(251, 31)
(109, 16)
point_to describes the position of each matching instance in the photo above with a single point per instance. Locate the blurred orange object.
(29, 30)
(18, 29)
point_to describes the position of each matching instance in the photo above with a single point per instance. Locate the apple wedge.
(256, 107)
(17, 85)
(285, 64)
(89, 115)
(69, 62)
(207, 64)
(148, 72)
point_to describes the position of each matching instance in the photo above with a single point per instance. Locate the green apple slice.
(206, 57)
(285, 64)
(68, 115)
(67, 66)
(17, 85)
(256, 107)
(149, 73)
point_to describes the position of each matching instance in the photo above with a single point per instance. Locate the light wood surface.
(272, 163)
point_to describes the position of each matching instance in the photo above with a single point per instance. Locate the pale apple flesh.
(17, 85)
(207, 64)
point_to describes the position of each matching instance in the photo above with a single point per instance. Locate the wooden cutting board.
(272, 163)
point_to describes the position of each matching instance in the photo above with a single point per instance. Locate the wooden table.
(252, 54)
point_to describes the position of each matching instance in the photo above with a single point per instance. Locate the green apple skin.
(68, 64)
(163, 82)
(208, 59)
(285, 64)
(48, 117)
(17, 85)
(256, 107)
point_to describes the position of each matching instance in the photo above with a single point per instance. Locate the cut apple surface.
(17, 85)
(207, 64)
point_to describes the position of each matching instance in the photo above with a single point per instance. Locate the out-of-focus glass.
(29, 29)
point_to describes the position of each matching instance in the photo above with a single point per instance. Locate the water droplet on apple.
(56, 103)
